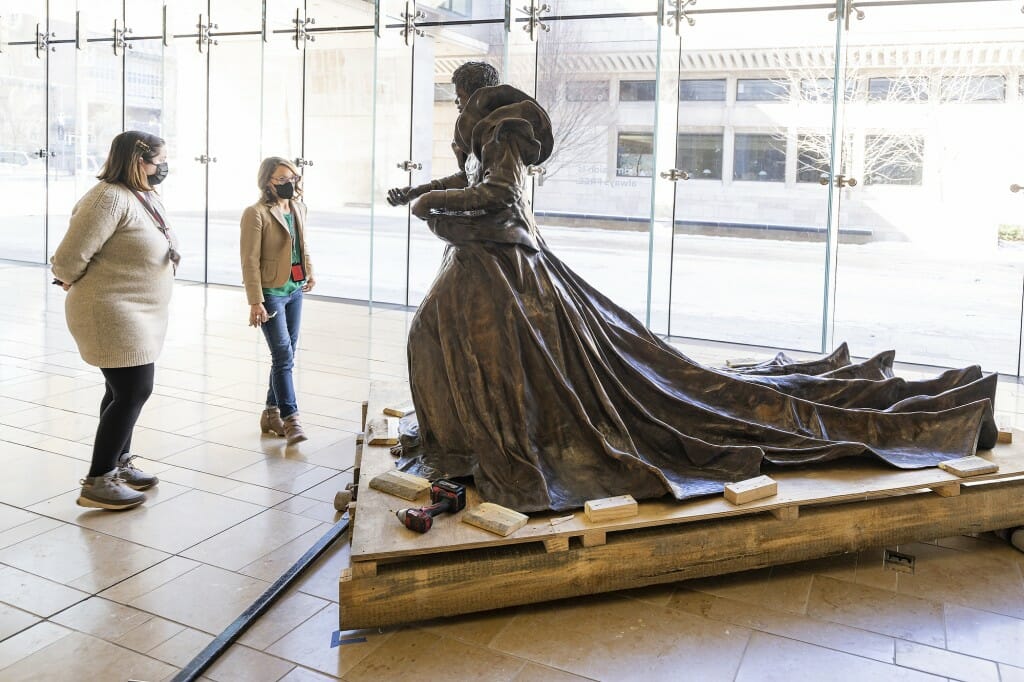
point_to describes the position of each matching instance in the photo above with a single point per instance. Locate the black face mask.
(285, 191)
(158, 177)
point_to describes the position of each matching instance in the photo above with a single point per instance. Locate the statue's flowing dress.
(548, 394)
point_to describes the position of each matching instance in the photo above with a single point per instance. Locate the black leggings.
(128, 389)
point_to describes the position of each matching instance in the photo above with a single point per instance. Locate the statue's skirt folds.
(548, 395)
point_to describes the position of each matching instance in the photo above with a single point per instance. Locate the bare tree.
(893, 155)
(580, 113)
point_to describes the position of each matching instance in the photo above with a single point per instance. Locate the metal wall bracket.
(302, 33)
(121, 38)
(410, 166)
(676, 13)
(204, 159)
(847, 8)
(508, 16)
(675, 175)
(43, 42)
(840, 180)
(533, 23)
(411, 15)
(204, 39)
(78, 29)
(163, 29)
(301, 162)
(1015, 187)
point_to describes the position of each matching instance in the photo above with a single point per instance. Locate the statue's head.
(470, 77)
(488, 120)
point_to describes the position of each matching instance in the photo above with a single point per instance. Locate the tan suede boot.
(270, 421)
(293, 429)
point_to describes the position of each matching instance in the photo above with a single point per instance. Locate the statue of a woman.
(548, 394)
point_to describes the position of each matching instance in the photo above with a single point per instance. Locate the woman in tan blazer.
(276, 271)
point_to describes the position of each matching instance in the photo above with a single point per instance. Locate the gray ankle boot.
(108, 492)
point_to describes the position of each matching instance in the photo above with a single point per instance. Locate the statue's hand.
(400, 196)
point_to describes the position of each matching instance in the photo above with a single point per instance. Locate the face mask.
(158, 177)
(285, 191)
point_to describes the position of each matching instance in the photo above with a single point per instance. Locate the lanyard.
(172, 253)
(154, 213)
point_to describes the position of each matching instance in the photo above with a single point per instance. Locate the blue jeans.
(282, 334)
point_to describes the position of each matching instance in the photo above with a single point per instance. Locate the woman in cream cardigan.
(276, 271)
(117, 264)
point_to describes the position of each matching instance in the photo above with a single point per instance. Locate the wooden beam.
(496, 577)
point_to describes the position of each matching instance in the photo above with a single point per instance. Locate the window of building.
(812, 157)
(814, 151)
(902, 89)
(700, 155)
(702, 90)
(586, 91)
(636, 91)
(444, 92)
(635, 155)
(821, 89)
(973, 89)
(893, 159)
(759, 157)
(762, 89)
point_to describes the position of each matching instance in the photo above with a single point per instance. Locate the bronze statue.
(548, 394)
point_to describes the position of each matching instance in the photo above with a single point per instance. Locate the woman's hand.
(310, 283)
(257, 315)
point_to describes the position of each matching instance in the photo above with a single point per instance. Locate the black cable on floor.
(220, 644)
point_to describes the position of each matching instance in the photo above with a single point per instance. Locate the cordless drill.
(446, 496)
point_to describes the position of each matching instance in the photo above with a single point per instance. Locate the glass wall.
(752, 171)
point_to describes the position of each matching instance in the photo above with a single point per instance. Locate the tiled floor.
(87, 595)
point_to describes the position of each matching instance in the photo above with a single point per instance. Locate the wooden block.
(382, 431)
(786, 513)
(399, 409)
(608, 508)
(969, 466)
(1005, 436)
(751, 489)
(495, 518)
(363, 569)
(400, 484)
(341, 499)
(948, 490)
(594, 538)
(559, 544)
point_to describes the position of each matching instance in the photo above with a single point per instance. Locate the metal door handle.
(675, 175)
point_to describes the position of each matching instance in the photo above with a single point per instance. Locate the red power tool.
(447, 497)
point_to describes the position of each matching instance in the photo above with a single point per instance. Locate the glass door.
(436, 54)
(752, 149)
(596, 76)
(87, 96)
(935, 268)
(338, 125)
(235, 77)
(184, 128)
(393, 165)
(23, 136)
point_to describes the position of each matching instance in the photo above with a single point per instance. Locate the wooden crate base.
(400, 576)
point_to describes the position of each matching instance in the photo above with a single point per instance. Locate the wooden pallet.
(397, 575)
